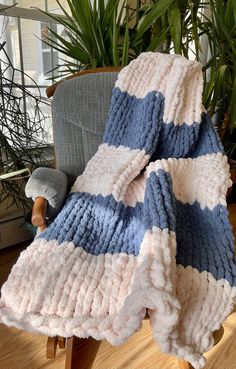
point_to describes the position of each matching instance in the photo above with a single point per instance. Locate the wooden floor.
(20, 350)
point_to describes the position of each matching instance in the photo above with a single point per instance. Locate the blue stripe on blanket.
(164, 140)
(111, 229)
(204, 235)
(200, 233)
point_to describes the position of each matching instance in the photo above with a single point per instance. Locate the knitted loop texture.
(144, 227)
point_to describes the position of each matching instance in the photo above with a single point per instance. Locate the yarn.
(145, 227)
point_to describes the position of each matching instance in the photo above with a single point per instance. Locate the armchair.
(78, 128)
(80, 108)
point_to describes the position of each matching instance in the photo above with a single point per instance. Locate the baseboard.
(13, 232)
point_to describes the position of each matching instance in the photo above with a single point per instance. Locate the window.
(49, 55)
(23, 28)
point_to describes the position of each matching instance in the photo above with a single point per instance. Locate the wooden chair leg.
(81, 352)
(184, 364)
(51, 347)
(61, 342)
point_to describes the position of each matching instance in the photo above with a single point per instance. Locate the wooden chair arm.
(38, 218)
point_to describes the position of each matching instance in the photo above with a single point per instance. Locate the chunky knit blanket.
(144, 227)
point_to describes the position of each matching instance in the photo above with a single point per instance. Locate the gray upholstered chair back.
(80, 110)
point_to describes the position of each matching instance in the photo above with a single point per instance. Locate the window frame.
(34, 14)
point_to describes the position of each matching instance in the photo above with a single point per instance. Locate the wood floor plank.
(22, 350)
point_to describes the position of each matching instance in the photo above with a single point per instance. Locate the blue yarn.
(160, 140)
(208, 140)
(130, 114)
(202, 234)
(110, 230)
(159, 202)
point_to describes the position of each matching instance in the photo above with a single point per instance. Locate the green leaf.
(67, 16)
(111, 7)
(229, 14)
(145, 7)
(125, 52)
(211, 62)
(223, 29)
(148, 19)
(232, 122)
(208, 90)
(220, 75)
(195, 32)
(70, 26)
(120, 15)
(101, 8)
(115, 54)
(234, 10)
(75, 50)
(157, 40)
(175, 26)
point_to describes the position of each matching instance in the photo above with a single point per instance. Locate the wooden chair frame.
(80, 353)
